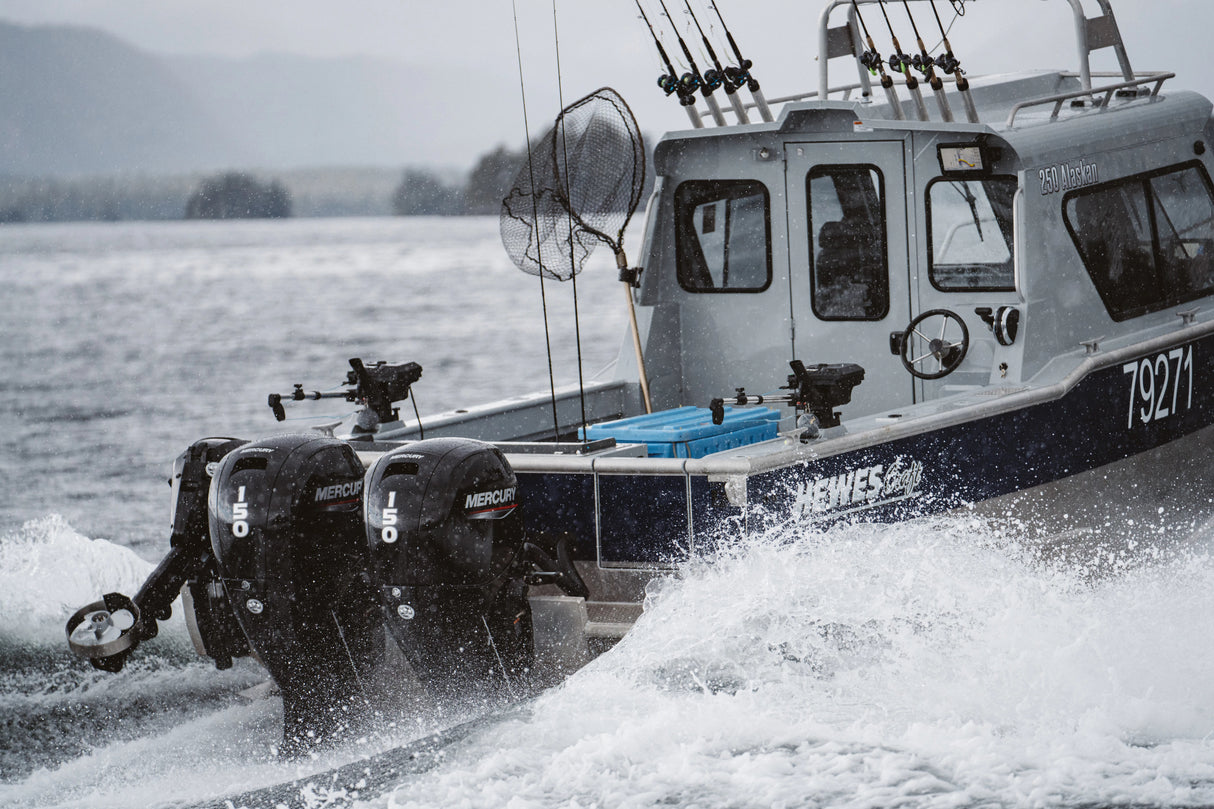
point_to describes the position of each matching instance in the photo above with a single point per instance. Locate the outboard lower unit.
(287, 536)
(445, 532)
(107, 631)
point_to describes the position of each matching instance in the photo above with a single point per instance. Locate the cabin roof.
(1095, 121)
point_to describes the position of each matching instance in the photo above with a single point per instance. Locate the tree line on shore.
(422, 193)
(235, 194)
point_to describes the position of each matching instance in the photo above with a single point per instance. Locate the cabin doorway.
(849, 267)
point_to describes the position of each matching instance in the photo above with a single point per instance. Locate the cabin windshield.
(970, 234)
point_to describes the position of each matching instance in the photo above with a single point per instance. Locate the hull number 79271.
(1156, 383)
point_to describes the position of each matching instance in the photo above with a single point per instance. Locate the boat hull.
(1115, 447)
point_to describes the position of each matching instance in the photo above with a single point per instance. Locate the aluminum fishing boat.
(896, 296)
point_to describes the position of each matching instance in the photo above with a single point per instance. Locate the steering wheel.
(920, 346)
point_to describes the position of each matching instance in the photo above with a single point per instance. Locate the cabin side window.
(970, 234)
(1147, 241)
(849, 265)
(723, 235)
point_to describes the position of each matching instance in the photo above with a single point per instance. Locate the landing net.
(580, 186)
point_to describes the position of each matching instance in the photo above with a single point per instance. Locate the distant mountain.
(80, 101)
(76, 100)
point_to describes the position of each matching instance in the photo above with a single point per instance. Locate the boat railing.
(1091, 34)
(841, 41)
(845, 89)
(1109, 91)
(1095, 33)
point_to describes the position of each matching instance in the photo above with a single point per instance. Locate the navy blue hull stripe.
(1112, 414)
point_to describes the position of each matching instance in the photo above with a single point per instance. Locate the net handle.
(621, 261)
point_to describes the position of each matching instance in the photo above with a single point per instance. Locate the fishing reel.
(923, 63)
(817, 390)
(713, 79)
(737, 76)
(949, 64)
(377, 386)
(684, 86)
(898, 62)
(689, 83)
(872, 60)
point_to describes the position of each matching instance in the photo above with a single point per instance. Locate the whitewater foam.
(934, 664)
(48, 570)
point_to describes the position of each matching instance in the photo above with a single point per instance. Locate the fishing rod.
(952, 67)
(716, 76)
(713, 107)
(900, 62)
(741, 74)
(871, 59)
(670, 82)
(924, 63)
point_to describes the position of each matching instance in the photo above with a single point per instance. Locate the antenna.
(530, 167)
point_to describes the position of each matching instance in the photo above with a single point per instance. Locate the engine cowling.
(208, 614)
(286, 531)
(444, 529)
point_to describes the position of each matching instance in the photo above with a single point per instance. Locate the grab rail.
(1108, 90)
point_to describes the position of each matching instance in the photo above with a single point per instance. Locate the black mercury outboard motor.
(208, 612)
(445, 531)
(107, 631)
(287, 536)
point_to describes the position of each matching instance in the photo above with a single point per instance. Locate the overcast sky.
(606, 43)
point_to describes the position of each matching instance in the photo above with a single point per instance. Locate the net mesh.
(580, 186)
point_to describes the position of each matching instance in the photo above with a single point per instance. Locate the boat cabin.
(1062, 212)
(1075, 217)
